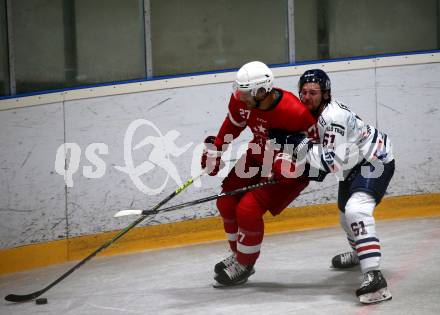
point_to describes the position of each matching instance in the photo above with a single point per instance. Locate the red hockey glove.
(212, 157)
(283, 167)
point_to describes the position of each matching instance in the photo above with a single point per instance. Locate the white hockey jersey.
(345, 141)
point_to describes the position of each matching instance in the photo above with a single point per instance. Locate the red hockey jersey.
(288, 114)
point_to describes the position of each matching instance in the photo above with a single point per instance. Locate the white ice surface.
(292, 277)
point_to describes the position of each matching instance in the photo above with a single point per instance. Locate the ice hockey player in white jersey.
(361, 157)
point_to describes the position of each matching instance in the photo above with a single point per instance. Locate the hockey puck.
(41, 301)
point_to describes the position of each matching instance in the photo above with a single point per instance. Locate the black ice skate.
(373, 288)
(345, 260)
(228, 261)
(234, 274)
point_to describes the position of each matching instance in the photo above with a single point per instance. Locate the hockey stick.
(27, 297)
(194, 202)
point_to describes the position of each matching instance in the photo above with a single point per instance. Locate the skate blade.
(376, 297)
(344, 268)
(218, 285)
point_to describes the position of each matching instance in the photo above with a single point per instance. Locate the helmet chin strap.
(257, 103)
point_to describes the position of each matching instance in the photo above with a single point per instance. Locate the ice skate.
(234, 274)
(345, 260)
(373, 288)
(228, 261)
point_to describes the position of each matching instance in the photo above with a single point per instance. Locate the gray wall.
(46, 62)
(404, 101)
(199, 35)
(346, 28)
(359, 28)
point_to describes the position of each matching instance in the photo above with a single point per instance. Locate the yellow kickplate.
(202, 230)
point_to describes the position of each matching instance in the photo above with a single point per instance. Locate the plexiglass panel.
(59, 44)
(38, 44)
(109, 40)
(69, 43)
(345, 28)
(197, 35)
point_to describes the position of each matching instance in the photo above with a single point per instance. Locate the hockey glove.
(283, 167)
(294, 141)
(212, 157)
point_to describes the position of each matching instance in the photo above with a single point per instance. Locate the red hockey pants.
(243, 214)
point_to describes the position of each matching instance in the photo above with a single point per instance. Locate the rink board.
(203, 230)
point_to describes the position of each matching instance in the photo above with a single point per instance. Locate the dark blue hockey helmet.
(316, 76)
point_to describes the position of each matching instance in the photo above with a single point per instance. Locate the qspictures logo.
(162, 148)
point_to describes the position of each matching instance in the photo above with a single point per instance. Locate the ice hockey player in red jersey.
(362, 158)
(256, 104)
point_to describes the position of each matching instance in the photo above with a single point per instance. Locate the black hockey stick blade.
(17, 298)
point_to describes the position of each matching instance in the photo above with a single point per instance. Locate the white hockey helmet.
(251, 77)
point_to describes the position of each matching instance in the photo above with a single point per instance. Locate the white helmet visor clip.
(240, 92)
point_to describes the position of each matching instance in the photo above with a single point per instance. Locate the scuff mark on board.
(391, 108)
(26, 158)
(158, 104)
(16, 210)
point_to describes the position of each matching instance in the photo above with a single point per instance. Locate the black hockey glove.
(314, 174)
(298, 141)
